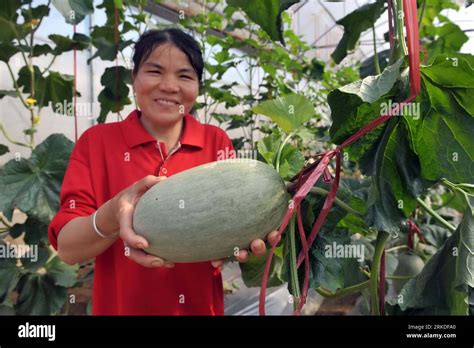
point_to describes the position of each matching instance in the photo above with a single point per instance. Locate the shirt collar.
(135, 134)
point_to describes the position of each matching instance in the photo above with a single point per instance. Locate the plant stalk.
(295, 285)
(382, 238)
(277, 166)
(376, 56)
(337, 201)
(343, 292)
(435, 215)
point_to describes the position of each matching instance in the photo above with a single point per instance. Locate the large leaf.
(55, 89)
(442, 138)
(354, 24)
(443, 284)
(9, 276)
(114, 96)
(449, 38)
(355, 105)
(33, 185)
(396, 182)
(8, 21)
(372, 88)
(64, 43)
(289, 112)
(38, 295)
(266, 13)
(74, 11)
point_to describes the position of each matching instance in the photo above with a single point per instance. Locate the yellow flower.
(31, 101)
(36, 119)
(32, 23)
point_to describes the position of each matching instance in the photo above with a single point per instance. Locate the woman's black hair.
(150, 39)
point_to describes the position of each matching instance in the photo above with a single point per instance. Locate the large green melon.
(204, 213)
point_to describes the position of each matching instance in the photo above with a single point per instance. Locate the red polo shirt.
(110, 157)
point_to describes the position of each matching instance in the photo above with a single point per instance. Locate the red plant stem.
(304, 245)
(410, 237)
(116, 42)
(413, 43)
(75, 88)
(326, 207)
(382, 285)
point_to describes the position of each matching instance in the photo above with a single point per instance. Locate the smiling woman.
(113, 165)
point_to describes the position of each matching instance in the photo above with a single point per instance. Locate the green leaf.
(291, 159)
(289, 112)
(12, 93)
(396, 182)
(328, 269)
(36, 231)
(450, 38)
(64, 44)
(268, 147)
(3, 149)
(114, 96)
(103, 38)
(435, 235)
(9, 276)
(7, 51)
(451, 71)
(443, 284)
(355, 105)
(62, 274)
(39, 50)
(33, 185)
(39, 295)
(9, 8)
(35, 12)
(74, 11)
(252, 270)
(56, 88)
(266, 13)
(372, 88)
(354, 24)
(443, 137)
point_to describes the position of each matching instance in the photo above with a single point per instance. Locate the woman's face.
(166, 85)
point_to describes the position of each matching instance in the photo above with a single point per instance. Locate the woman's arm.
(78, 242)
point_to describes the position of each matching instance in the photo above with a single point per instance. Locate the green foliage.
(442, 286)
(266, 13)
(354, 24)
(289, 112)
(74, 11)
(442, 138)
(252, 270)
(32, 185)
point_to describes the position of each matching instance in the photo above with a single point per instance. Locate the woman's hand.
(257, 247)
(123, 205)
